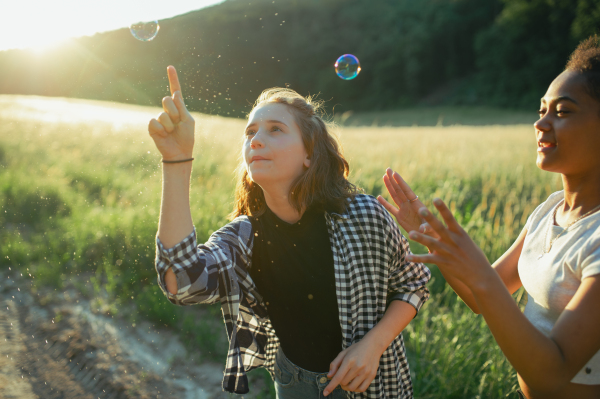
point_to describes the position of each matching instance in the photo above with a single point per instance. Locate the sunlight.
(40, 25)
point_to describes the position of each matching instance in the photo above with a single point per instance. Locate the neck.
(582, 193)
(277, 200)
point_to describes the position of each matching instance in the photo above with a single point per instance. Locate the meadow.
(80, 186)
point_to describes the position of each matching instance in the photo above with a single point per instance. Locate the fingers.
(399, 181)
(166, 122)
(425, 228)
(155, 128)
(429, 242)
(337, 378)
(393, 188)
(173, 79)
(171, 109)
(424, 258)
(436, 226)
(391, 208)
(447, 215)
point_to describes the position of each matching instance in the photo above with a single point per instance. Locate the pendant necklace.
(544, 251)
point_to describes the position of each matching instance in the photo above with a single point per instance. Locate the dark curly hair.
(586, 61)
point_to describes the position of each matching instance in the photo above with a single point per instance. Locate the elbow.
(171, 281)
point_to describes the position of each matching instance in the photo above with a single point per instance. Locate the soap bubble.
(144, 31)
(347, 67)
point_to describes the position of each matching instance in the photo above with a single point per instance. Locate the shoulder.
(236, 231)
(367, 211)
(543, 209)
(364, 205)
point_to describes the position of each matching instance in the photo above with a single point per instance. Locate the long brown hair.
(324, 183)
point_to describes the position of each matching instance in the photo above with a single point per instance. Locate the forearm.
(537, 358)
(394, 321)
(461, 290)
(175, 216)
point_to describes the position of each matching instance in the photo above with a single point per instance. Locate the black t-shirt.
(292, 267)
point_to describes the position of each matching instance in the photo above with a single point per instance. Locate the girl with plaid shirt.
(307, 266)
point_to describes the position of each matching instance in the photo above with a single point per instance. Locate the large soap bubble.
(144, 31)
(347, 67)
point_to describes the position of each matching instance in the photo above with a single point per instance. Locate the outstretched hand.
(173, 129)
(453, 251)
(407, 212)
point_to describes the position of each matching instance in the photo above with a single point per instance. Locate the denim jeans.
(293, 382)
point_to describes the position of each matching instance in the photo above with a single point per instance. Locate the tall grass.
(80, 192)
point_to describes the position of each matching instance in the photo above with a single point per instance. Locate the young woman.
(311, 276)
(555, 345)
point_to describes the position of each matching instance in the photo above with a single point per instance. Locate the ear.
(307, 162)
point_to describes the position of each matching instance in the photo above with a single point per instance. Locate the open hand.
(407, 213)
(173, 130)
(354, 368)
(453, 251)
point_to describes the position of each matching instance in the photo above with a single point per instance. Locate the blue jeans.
(293, 382)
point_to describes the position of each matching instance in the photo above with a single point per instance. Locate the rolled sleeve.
(195, 271)
(408, 280)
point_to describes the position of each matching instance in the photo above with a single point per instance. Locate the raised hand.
(173, 130)
(407, 212)
(453, 250)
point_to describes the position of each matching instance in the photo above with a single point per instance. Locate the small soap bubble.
(144, 31)
(347, 67)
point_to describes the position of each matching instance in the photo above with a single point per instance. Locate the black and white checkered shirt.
(370, 271)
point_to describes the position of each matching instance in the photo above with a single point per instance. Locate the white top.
(552, 279)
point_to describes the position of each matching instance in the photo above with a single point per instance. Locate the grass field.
(80, 192)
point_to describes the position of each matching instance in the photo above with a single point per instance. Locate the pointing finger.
(173, 79)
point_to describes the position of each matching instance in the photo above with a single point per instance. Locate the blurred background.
(447, 93)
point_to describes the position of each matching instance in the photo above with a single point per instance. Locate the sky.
(40, 24)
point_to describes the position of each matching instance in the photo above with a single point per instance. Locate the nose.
(256, 141)
(543, 124)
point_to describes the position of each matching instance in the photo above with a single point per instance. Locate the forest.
(500, 53)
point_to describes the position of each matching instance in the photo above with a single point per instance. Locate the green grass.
(80, 193)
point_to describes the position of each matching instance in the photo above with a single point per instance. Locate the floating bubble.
(144, 31)
(347, 67)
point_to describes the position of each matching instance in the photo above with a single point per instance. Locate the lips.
(257, 158)
(545, 146)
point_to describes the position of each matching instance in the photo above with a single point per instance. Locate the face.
(274, 152)
(568, 131)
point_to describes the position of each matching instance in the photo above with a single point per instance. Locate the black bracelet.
(179, 161)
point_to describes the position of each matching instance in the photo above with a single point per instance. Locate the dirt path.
(63, 350)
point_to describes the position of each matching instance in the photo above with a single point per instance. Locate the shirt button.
(588, 370)
(323, 380)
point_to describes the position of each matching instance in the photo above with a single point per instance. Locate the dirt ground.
(53, 346)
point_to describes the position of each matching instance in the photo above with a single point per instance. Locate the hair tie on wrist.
(179, 161)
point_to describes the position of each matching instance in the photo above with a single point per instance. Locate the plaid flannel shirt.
(370, 271)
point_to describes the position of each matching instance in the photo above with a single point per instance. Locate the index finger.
(337, 379)
(173, 79)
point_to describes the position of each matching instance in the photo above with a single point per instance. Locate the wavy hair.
(324, 183)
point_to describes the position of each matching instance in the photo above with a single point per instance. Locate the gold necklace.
(565, 229)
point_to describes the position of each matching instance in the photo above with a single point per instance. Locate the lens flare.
(144, 31)
(347, 67)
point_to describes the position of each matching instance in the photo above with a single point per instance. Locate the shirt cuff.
(174, 257)
(416, 299)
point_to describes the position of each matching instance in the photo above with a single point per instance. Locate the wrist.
(377, 344)
(177, 157)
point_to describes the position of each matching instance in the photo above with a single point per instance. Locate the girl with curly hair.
(555, 345)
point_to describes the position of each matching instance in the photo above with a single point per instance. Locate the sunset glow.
(41, 24)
